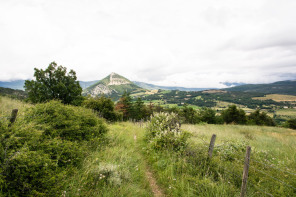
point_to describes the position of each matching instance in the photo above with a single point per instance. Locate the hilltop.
(114, 85)
(279, 87)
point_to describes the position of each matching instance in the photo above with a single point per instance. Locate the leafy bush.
(104, 106)
(207, 115)
(163, 132)
(260, 118)
(234, 115)
(291, 123)
(66, 122)
(29, 173)
(45, 146)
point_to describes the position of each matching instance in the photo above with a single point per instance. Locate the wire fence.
(253, 165)
(266, 170)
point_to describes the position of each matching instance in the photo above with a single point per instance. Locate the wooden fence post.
(13, 116)
(212, 144)
(246, 172)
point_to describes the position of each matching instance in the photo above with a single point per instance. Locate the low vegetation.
(77, 146)
(45, 146)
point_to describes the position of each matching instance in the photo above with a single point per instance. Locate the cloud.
(170, 42)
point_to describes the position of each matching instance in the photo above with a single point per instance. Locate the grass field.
(125, 155)
(8, 104)
(192, 174)
(277, 97)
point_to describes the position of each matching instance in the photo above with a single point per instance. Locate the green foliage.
(104, 106)
(140, 111)
(260, 118)
(234, 115)
(207, 115)
(189, 114)
(292, 123)
(17, 94)
(45, 146)
(125, 106)
(163, 132)
(54, 83)
(66, 122)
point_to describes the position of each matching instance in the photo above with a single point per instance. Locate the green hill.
(113, 85)
(280, 87)
(19, 94)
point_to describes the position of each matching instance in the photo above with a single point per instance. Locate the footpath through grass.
(190, 173)
(117, 168)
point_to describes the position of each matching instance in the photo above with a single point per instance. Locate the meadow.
(124, 165)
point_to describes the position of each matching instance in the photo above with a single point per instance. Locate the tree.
(140, 110)
(54, 83)
(292, 123)
(207, 115)
(234, 115)
(189, 114)
(260, 118)
(125, 105)
(104, 106)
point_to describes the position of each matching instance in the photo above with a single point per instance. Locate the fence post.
(246, 172)
(13, 116)
(212, 144)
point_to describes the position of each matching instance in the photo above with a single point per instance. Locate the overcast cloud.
(192, 43)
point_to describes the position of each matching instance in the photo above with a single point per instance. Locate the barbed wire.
(259, 189)
(274, 178)
(273, 167)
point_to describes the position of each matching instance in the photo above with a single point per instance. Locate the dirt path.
(152, 181)
(153, 185)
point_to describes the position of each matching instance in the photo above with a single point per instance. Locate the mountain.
(19, 84)
(19, 94)
(232, 84)
(280, 87)
(113, 85)
(86, 84)
(155, 87)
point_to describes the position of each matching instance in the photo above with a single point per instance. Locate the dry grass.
(277, 97)
(8, 104)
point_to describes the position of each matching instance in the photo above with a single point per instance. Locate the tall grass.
(8, 104)
(120, 153)
(192, 173)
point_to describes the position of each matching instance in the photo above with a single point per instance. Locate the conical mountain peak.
(113, 85)
(116, 79)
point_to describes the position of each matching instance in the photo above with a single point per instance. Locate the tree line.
(54, 83)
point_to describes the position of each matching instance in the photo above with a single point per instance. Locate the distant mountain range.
(19, 84)
(115, 84)
(280, 87)
(155, 87)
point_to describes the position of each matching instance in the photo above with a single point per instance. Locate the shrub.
(260, 118)
(163, 132)
(45, 146)
(234, 115)
(66, 122)
(29, 173)
(104, 106)
(292, 123)
(207, 115)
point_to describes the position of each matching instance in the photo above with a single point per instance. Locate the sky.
(189, 43)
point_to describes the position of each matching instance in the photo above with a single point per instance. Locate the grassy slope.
(191, 174)
(8, 104)
(121, 151)
(182, 175)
